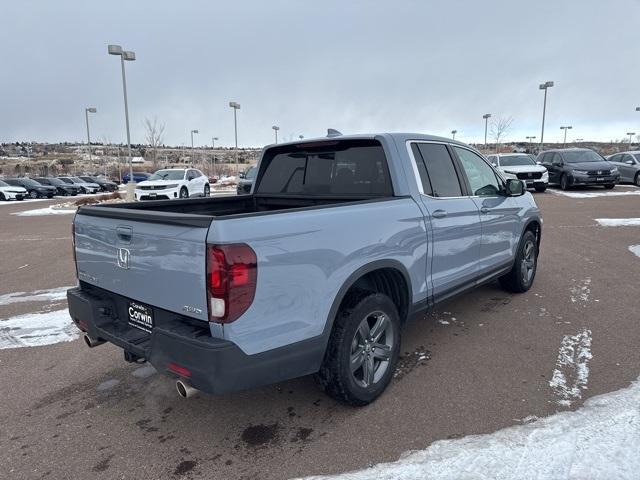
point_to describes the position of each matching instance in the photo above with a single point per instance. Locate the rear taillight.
(232, 271)
(73, 245)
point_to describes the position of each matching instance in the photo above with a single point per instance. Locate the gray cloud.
(356, 66)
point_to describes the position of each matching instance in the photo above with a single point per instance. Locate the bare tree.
(154, 136)
(499, 129)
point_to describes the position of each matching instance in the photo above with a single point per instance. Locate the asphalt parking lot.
(482, 362)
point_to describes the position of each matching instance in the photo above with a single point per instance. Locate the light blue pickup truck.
(341, 241)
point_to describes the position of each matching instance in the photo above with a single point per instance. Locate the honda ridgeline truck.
(341, 241)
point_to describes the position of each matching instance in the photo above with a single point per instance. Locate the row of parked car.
(569, 167)
(20, 188)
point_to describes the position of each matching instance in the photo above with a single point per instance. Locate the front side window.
(482, 179)
(441, 172)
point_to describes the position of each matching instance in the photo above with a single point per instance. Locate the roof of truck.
(399, 137)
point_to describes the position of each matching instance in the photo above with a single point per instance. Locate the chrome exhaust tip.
(91, 342)
(185, 390)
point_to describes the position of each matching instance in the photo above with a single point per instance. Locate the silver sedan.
(629, 165)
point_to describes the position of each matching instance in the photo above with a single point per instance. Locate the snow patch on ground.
(635, 249)
(37, 329)
(571, 374)
(601, 440)
(144, 371)
(619, 222)
(580, 292)
(51, 295)
(45, 211)
(607, 193)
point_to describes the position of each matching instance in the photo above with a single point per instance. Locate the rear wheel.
(207, 190)
(609, 186)
(523, 272)
(540, 188)
(2, 197)
(564, 182)
(184, 193)
(363, 349)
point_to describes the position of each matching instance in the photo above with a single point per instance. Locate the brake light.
(232, 271)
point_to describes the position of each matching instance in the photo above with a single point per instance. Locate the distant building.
(137, 160)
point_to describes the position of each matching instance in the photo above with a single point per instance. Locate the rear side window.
(442, 174)
(348, 167)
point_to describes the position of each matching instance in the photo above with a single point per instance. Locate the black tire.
(33, 194)
(540, 188)
(517, 280)
(636, 180)
(564, 182)
(609, 186)
(2, 197)
(336, 375)
(20, 198)
(184, 193)
(207, 190)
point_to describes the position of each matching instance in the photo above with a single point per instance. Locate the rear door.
(453, 217)
(159, 264)
(498, 213)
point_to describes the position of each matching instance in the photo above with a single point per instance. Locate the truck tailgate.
(153, 262)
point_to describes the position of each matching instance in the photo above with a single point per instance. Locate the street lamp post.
(236, 107)
(275, 129)
(130, 57)
(486, 117)
(213, 147)
(453, 133)
(631, 134)
(87, 111)
(192, 151)
(569, 127)
(530, 138)
(544, 86)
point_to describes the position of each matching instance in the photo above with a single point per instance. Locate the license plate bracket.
(140, 316)
(599, 179)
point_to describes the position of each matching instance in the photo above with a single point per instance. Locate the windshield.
(581, 156)
(167, 175)
(251, 173)
(88, 179)
(516, 160)
(3, 184)
(66, 180)
(28, 182)
(637, 157)
(55, 181)
(77, 180)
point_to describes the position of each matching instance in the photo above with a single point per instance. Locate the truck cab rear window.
(348, 167)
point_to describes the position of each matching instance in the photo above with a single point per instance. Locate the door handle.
(439, 214)
(484, 210)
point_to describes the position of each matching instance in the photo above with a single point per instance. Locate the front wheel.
(609, 186)
(184, 193)
(523, 272)
(363, 349)
(33, 194)
(636, 180)
(207, 190)
(2, 197)
(540, 188)
(564, 182)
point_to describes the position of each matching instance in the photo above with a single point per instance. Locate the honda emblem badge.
(123, 258)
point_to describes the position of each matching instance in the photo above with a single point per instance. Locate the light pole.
(236, 107)
(564, 144)
(275, 129)
(631, 134)
(544, 86)
(87, 111)
(213, 147)
(453, 133)
(486, 117)
(130, 57)
(532, 137)
(192, 152)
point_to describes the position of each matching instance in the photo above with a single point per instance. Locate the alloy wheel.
(371, 349)
(528, 262)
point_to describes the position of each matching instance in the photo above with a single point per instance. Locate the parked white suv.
(522, 167)
(10, 192)
(170, 183)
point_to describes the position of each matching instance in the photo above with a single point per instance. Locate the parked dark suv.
(61, 187)
(35, 189)
(245, 182)
(571, 167)
(105, 185)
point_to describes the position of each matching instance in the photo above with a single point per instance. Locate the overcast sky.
(358, 66)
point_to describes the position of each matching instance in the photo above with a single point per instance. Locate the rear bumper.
(216, 366)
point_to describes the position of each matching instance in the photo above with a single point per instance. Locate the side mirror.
(538, 163)
(629, 162)
(241, 175)
(515, 188)
(494, 164)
